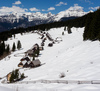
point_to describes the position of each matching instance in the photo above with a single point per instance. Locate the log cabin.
(8, 76)
(35, 63)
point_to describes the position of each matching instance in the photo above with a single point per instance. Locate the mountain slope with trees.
(90, 21)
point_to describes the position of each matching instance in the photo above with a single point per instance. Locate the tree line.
(92, 26)
(5, 48)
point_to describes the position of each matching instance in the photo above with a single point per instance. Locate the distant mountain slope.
(8, 22)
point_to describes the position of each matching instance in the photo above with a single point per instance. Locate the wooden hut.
(8, 76)
(24, 62)
(26, 65)
(29, 52)
(31, 64)
(35, 63)
(20, 64)
(25, 58)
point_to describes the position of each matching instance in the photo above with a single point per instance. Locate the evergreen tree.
(69, 30)
(3, 45)
(22, 76)
(37, 51)
(16, 74)
(87, 31)
(14, 36)
(8, 49)
(19, 45)
(12, 77)
(33, 57)
(1, 49)
(65, 28)
(92, 27)
(14, 47)
(62, 33)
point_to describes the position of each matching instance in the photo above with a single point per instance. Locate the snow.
(69, 13)
(50, 87)
(77, 59)
(49, 17)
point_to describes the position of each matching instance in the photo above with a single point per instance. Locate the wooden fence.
(60, 81)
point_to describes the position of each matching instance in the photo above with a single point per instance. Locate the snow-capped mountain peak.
(71, 12)
(30, 19)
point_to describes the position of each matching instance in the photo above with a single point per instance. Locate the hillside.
(72, 56)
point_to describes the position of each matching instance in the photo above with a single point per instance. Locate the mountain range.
(15, 20)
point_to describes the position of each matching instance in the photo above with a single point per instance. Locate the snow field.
(77, 59)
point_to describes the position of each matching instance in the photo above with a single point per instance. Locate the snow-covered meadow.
(77, 59)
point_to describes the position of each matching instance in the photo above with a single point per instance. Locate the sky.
(45, 6)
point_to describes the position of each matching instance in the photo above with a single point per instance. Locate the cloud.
(51, 8)
(34, 9)
(94, 8)
(17, 2)
(76, 7)
(61, 3)
(88, 1)
(13, 9)
(43, 10)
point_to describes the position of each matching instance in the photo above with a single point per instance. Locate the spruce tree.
(3, 45)
(12, 77)
(22, 76)
(33, 56)
(8, 49)
(92, 26)
(16, 74)
(37, 51)
(14, 36)
(1, 49)
(19, 45)
(87, 30)
(62, 33)
(14, 47)
(69, 30)
(65, 28)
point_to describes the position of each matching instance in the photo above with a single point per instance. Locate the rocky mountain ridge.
(10, 21)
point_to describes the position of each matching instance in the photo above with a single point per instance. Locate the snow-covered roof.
(36, 62)
(24, 62)
(25, 59)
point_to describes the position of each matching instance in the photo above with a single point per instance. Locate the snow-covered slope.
(77, 59)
